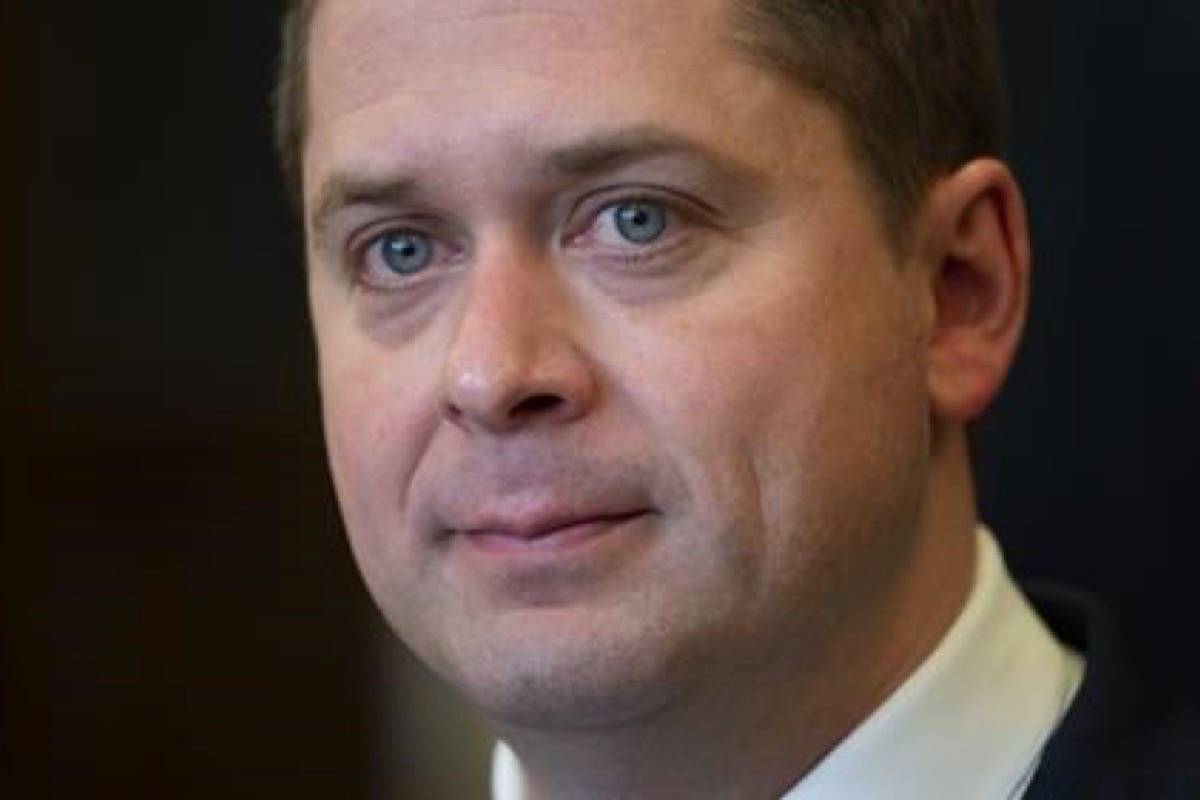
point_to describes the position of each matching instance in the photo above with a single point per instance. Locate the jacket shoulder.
(1113, 743)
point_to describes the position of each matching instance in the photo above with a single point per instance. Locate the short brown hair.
(917, 82)
(290, 98)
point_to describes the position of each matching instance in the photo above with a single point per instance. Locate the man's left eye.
(639, 222)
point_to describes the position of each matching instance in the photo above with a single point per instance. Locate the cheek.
(375, 430)
(788, 411)
(356, 432)
(358, 466)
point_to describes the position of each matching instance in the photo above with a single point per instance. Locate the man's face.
(623, 388)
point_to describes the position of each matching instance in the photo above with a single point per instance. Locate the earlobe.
(979, 285)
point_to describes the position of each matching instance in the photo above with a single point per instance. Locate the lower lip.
(558, 541)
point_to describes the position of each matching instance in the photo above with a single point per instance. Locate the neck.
(757, 736)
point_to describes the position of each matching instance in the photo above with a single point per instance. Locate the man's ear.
(978, 248)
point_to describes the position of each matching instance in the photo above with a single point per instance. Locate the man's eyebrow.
(348, 189)
(613, 150)
(592, 155)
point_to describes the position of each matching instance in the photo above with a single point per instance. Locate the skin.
(676, 515)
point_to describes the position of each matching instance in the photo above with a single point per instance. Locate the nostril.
(536, 404)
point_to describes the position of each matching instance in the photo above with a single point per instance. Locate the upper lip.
(532, 493)
(540, 523)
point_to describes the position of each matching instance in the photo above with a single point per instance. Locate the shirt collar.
(970, 722)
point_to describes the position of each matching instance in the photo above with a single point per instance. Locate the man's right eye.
(397, 258)
(403, 252)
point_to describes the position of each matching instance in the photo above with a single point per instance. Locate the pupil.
(641, 222)
(406, 253)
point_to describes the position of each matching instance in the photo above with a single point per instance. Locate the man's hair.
(917, 83)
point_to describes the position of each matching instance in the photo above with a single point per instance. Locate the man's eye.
(640, 222)
(404, 252)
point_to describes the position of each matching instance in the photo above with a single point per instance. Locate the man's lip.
(535, 528)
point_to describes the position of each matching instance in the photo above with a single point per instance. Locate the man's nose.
(514, 360)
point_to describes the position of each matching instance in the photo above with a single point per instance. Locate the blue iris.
(640, 222)
(406, 252)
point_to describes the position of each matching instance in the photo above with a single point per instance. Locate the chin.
(576, 680)
(567, 697)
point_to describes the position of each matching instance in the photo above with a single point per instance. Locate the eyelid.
(363, 242)
(679, 206)
(427, 224)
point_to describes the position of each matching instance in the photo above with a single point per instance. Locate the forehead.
(442, 42)
(440, 80)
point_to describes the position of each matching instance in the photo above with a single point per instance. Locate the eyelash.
(366, 246)
(631, 250)
(682, 211)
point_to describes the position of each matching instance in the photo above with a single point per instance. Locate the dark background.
(180, 614)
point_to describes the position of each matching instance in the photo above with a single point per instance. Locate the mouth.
(546, 534)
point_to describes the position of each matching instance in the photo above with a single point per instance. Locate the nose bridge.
(513, 357)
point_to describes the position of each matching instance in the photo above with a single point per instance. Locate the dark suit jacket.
(1113, 743)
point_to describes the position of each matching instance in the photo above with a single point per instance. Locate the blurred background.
(180, 615)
